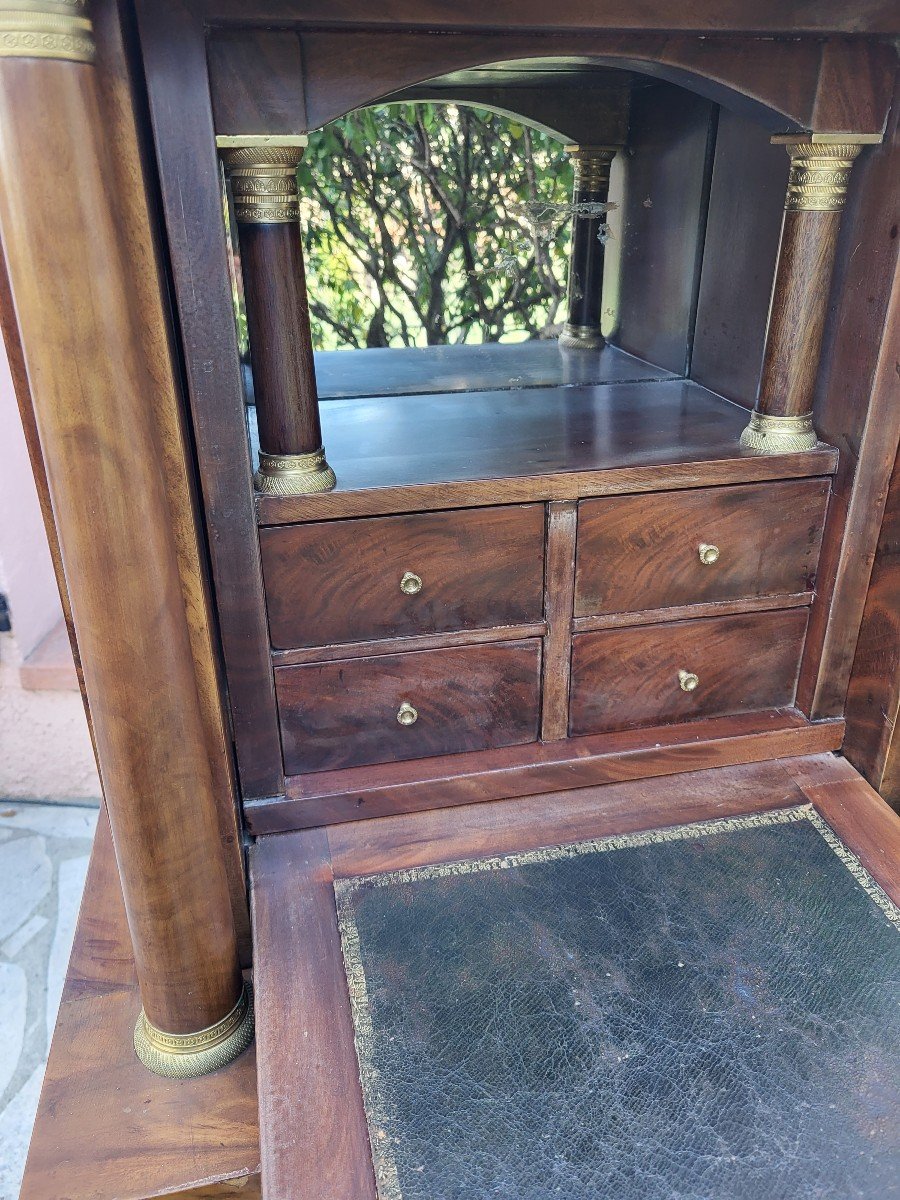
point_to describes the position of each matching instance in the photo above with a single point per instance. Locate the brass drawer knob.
(410, 585)
(688, 681)
(406, 714)
(708, 554)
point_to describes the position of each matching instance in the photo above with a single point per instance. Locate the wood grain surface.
(479, 367)
(798, 311)
(361, 792)
(106, 1129)
(403, 645)
(560, 443)
(775, 81)
(743, 224)
(343, 714)
(856, 813)
(643, 552)
(667, 171)
(314, 1141)
(340, 582)
(192, 204)
(627, 677)
(687, 612)
(554, 818)
(72, 268)
(873, 698)
(857, 409)
(256, 81)
(120, 77)
(278, 330)
(562, 522)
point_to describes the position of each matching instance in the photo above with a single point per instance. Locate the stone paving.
(44, 851)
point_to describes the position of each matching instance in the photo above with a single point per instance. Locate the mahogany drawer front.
(340, 581)
(622, 678)
(398, 706)
(668, 549)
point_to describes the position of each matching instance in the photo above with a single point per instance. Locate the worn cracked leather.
(708, 1013)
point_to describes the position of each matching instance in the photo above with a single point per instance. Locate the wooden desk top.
(106, 1129)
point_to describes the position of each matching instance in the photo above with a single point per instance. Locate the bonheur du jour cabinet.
(409, 649)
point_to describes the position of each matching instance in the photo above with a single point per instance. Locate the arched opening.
(439, 224)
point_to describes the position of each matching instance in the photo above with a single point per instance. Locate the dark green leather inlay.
(708, 1013)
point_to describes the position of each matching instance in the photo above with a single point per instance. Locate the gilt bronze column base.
(581, 337)
(190, 1055)
(294, 474)
(779, 435)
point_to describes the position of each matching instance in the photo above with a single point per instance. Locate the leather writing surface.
(707, 1013)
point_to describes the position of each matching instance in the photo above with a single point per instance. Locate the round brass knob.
(410, 583)
(406, 714)
(708, 554)
(688, 681)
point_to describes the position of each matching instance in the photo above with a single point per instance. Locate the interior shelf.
(402, 450)
(341, 374)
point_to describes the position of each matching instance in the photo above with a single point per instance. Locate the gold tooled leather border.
(378, 1115)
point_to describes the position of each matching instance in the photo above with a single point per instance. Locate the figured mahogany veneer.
(331, 797)
(410, 453)
(643, 552)
(477, 570)
(342, 714)
(622, 678)
(340, 581)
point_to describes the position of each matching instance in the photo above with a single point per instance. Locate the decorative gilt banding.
(294, 474)
(581, 337)
(189, 1055)
(771, 434)
(591, 165)
(46, 30)
(819, 176)
(263, 176)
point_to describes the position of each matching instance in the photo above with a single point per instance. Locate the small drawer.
(668, 549)
(679, 670)
(397, 706)
(331, 582)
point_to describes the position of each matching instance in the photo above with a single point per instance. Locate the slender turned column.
(817, 187)
(71, 272)
(263, 175)
(582, 328)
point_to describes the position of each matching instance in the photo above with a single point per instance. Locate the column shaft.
(79, 318)
(263, 176)
(782, 419)
(591, 187)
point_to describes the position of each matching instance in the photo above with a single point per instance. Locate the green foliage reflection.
(419, 228)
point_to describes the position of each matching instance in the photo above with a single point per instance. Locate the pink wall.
(26, 570)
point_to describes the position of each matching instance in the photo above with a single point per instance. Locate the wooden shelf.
(343, 374)
(406, 453)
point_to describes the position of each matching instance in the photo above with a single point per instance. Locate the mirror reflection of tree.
(429, 224)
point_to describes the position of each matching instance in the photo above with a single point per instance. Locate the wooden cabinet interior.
(449, 461)
(519, 583)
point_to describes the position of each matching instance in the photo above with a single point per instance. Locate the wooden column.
(263, 176)
(71, 273)
(591, 188)
(817, 188)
